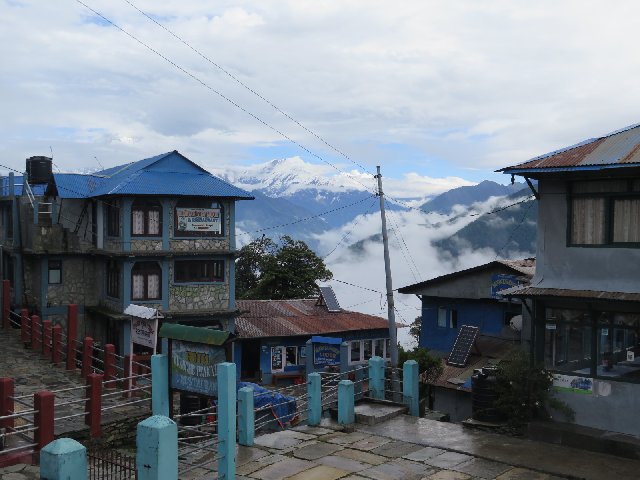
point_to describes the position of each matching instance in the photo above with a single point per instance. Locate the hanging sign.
(199, 220)
(326, 354)
(194, 366)
(144, 331)
(501, 282)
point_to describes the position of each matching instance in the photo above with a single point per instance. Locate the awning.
(194, 334)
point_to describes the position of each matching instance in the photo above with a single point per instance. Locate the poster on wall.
(277, 364)
(199, 220)
(194, 366)
(568, 383)
(326, 354)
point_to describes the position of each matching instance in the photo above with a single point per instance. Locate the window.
(605, 213)
(360, 351)
(113, 219)
(203, 271)
(145, 281)
(291, 356)
(55, 271)
(113, 280)
(447, 317)
(146, 219)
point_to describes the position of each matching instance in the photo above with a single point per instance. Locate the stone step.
(373, 413)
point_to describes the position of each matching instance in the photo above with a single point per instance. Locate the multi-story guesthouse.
(159, 232)
(585, 293)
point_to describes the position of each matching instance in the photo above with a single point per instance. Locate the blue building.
(470, 297)
(159, 232)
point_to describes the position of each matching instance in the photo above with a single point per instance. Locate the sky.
(428, 90)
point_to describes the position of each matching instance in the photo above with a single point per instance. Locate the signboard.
(326, 354)
(568, 383)
(144, 331)
(194, 366)
(501, 282)
(199, 220)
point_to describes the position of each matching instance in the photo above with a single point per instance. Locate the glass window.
(453, 320)
(368, 346)
(113, 280)
(145, 281)
(146, 219)
(113, 219)
(354, 355)
(626, 220)
(199, 271)
(442, 317)
(55, 271)
(292, 355)
(588, 221)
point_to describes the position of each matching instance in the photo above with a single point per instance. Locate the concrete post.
(43, 417)
(314, 382)
(87, 354)
(93, 405)
(72, 327)
(410, 391)
(160, 385)
(7, 390)
(63, 459)
(227, 421)
(110, 366)
(346, 412)
(157, 449)
(376, 378)
(6, 303)
(56, 344)
(246, 416)
(46, 338)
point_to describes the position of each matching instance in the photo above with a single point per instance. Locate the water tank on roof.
(39, 169)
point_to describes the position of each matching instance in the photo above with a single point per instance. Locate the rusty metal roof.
(617, 149)
(566, 293)
(491, 351)
(281, 318)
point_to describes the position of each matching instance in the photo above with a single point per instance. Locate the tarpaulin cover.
(282, 406)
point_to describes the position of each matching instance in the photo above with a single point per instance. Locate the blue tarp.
(282, 406)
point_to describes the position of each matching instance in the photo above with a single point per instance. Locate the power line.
(514, 230)
(344, 237)
(217, 92)
(403, 247)
(240, 82)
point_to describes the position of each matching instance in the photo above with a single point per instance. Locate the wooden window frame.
(146, 269)
(146, 207)
(113, 219)
(199, 277)
(113, 280)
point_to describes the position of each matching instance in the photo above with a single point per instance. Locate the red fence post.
(87, 354)
(6, 303)
(109, 365)
(127, 377)
(43, 418)
(56, 344)
(93, 405)
(36, 333)
(46, 338)
(25, 327)
(72, 325)
(6, 401)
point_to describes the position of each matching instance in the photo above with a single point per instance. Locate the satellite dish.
(516, 323)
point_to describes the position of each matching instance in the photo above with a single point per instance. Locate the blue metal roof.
(37, 189)
(76, 185)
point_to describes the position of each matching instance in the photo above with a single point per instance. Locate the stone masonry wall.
(199, 297)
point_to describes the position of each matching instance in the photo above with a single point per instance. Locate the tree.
(268, 271)
(414, 329)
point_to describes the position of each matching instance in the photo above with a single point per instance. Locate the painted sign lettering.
(199, 220)
(194, 366)
(324, 354)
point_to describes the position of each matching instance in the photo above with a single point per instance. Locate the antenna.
(101, 166)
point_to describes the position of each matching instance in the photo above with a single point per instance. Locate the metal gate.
(111, 465)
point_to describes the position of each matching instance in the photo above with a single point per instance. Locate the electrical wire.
(350, 231)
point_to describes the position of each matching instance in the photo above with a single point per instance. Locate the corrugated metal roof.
(566, 293)
(526, 266)
(281, 318)
(38, 189)
(617, 149)
(76, 185)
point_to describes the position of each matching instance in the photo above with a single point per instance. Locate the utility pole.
(393, 336)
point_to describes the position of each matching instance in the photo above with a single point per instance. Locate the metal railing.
(110, 464)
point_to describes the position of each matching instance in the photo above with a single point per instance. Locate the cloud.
(466, 85)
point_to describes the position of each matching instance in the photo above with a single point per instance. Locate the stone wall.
(81, 283)
(199, 297)
(140, 245)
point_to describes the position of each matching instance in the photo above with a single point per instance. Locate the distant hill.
(510, 230)
(468, 195)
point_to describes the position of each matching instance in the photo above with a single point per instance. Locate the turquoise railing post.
(160, 385)
(314, 383)
(157, 449)
(227, 421)
(246, 417)
(63, 459)
(376, 378)
(346, 398)
(410, 392)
